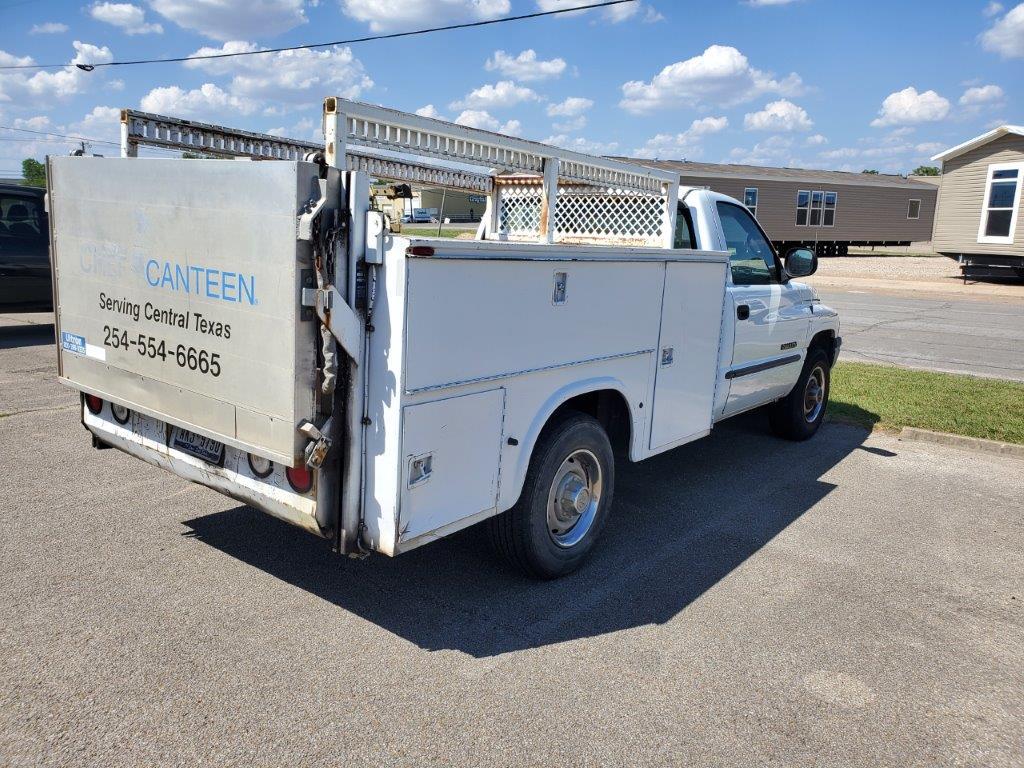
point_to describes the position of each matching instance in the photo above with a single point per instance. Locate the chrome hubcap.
(574, 498)
(814, 394)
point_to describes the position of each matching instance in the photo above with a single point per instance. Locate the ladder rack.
(535, 191)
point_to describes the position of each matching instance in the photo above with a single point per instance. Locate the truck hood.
(803, 291)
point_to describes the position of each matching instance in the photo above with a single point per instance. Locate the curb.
(959, 441)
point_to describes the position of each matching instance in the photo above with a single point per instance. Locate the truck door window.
(684, 229)
(750, 256)
(21, 218)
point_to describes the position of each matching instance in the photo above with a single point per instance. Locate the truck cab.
(770, 320)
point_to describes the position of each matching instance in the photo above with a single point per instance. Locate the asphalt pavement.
(854, 600)
(982, 336)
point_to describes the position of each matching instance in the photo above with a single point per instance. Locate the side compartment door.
(451, 453)
(770, 319)
(687, 354)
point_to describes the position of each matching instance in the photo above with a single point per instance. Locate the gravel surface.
(853, 600)
(937, 268)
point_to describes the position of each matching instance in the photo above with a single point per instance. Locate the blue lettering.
(180, 278)
(197, 271)
(212, 284)
(202, 281)
(247, 287)
(228, 287)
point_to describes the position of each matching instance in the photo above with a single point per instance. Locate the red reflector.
(419, 250)
(299, 478)
(93, 403)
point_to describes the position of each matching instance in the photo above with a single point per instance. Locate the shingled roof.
(687, 168)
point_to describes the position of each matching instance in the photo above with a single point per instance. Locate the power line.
(308, 46)
(60, 135)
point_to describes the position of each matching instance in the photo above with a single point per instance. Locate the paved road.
(977, 336)
(850, 601)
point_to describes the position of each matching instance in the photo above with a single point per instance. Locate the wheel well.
(823, 340)
(609, 407)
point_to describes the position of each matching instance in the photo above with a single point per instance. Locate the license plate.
(199, 446)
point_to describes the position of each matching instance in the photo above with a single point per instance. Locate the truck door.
(24, 251)
(770, 323)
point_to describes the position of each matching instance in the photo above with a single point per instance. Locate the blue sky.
(812, 83)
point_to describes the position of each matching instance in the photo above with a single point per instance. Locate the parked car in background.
(24, 250)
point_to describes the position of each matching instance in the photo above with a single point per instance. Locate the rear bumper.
(146, 438)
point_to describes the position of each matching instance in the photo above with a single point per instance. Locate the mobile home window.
(803, 201)
(829, 216)
(750, 200)
(914, 209)
(1002, 198)
(817, 198)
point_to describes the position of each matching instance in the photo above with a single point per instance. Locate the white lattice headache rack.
(535, 192)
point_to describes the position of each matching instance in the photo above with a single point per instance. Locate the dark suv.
(24, 250)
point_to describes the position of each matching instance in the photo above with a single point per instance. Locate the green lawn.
(893, 398)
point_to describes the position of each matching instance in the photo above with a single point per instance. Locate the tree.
(925, 170)
(870, 172)
(33, 173)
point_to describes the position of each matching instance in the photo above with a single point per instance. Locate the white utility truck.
(257, 328)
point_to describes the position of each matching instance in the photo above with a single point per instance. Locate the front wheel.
(798, 415)
(565, 500)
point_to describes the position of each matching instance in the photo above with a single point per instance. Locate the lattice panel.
(584, 215)
(519, 211)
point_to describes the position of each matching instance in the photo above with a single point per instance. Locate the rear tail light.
(121, 414)
(299, 478)
(260, 466)
(93, 403)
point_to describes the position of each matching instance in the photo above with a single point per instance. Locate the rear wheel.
(798, 415)
(564, 503)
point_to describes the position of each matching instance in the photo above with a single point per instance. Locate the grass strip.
(893, 398)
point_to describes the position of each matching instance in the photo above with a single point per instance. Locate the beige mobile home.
(980, 201)
(830, 210)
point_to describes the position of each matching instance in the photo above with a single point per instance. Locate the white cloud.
(815, 140)
(102, 123)
(572, 106)
(580, 144)
(613, 14)
(430, 110)
(525, 67)
(720, 76)
(572, 125)
(781, 115)
(685, 144)
(233, 19)
(129, 18)
(775, 150)
(983, 94)
(48, 28)
(992, 9)
(479, 118)
(908, 107)
(1006, 36)
(391, 15)
(23, 88)
(37, 123)
(296, 77)
(504, 93)
(204, 102)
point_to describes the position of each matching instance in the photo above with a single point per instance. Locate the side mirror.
(801, 262)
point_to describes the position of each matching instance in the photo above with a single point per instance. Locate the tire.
(546, 535)
(798, 415)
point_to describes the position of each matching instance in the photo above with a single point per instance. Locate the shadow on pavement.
(27, 335)
(681, 522)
